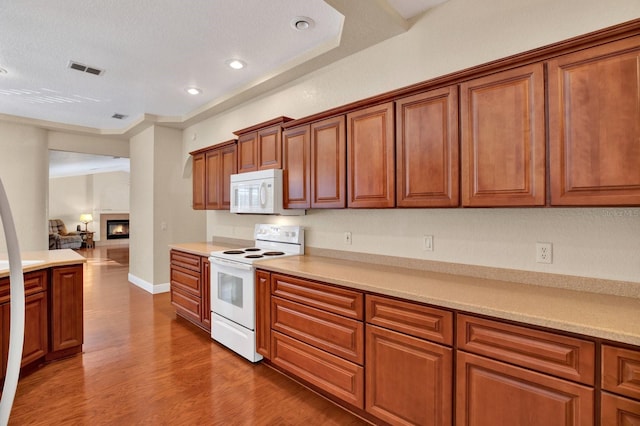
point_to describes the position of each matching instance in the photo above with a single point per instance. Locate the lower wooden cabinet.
(413, 372)
(190, 287)
(66, 307)
(35, 328)
(618, 411)
(332, 374)
(408, 380)
(490, 393)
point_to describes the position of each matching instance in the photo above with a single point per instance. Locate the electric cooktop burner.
(252, 249)
(253, 256)
(233, 252)
(273, 253)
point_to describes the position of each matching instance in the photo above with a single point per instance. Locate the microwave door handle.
(232, 264)
(263, 194)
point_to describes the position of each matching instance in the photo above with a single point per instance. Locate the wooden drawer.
(332, 374)
(34, 282)
(621, 371)
(337, 300)
(618, 411)
(558, 355)
(185, 260)
(333, 333)
(410, 318)
(187, 305)
(186, 280)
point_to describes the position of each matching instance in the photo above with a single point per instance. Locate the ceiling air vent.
(119, 116)
(84, 68)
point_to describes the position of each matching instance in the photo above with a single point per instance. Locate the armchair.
(59, 238)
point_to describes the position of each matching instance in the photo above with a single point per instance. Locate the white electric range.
(233, 285)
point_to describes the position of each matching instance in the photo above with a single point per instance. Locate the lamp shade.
(86, 218)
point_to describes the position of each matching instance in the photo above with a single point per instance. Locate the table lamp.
(86, 218)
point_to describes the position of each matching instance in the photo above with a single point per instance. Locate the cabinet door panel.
(618, 411)
(205, 299)
(328, 163)
(185, 260)
(187, 281)
(228, 167)
(594, 125)
(490, 393)
(186, 304)
(198, 181)
(66, 307)
(35, 328)
(408, 380)
(371, 157)
(263, 314)
(213, 166)
(503, 139)
(248, 152)
(270, 148)
(296, 162)
(427, 149)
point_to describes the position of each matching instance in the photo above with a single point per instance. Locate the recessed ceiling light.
(236, 64)
(193, 91)
(302, 23)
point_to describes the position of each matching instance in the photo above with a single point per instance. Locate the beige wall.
(141, 216)
(161, 212)
(99, 145)
(24, 170)
(456, 35)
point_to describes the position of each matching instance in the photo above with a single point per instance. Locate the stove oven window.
(230, 289)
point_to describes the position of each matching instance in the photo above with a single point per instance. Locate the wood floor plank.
(142, 365)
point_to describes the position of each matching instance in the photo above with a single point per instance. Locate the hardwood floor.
(142, 365)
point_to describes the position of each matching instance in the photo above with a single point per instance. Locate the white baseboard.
(147, 286)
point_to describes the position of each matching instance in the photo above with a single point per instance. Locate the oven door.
(233, 291)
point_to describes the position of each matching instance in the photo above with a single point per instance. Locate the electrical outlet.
(427, 243)
(544, 253)
(347, 238)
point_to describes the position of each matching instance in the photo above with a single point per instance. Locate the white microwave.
(259, 192)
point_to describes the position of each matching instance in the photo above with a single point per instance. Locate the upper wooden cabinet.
(314, 163)
(594, 125)
(260, 146)
(371, 157)
(212, 170)
(427, 149)
(503, 139)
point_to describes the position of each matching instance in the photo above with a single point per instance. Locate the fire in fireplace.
(117, 229)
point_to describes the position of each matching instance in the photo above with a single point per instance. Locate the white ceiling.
(152, 50)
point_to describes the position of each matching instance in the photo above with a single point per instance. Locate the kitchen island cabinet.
(66, 307)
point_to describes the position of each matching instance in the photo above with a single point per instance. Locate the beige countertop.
(45, 258)
(202, 248)
(611, 317)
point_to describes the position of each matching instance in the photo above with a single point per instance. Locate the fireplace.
(117, 229)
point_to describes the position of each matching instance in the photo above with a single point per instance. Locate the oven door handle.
(231, 264)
